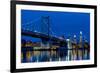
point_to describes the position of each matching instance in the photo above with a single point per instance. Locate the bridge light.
(35, 30)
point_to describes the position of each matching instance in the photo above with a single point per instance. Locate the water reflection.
(60, 54)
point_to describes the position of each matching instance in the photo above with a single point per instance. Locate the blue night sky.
(61, 23)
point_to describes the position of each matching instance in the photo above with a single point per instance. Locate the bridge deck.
(42, 36)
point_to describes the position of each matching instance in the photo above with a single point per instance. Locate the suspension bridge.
(40, 28)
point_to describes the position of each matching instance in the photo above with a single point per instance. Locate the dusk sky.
(61, 23)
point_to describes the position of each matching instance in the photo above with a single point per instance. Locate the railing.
(48, 55)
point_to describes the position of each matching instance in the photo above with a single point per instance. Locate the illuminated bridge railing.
(36, 34)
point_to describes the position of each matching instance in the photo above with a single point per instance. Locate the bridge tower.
(45, 29)
(45, 25)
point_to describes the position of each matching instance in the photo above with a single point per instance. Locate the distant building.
(69, 44)
(80, 40)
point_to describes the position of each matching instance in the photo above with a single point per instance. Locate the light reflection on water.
(54, 55)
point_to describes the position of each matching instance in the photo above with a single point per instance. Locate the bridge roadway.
(42, 36)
